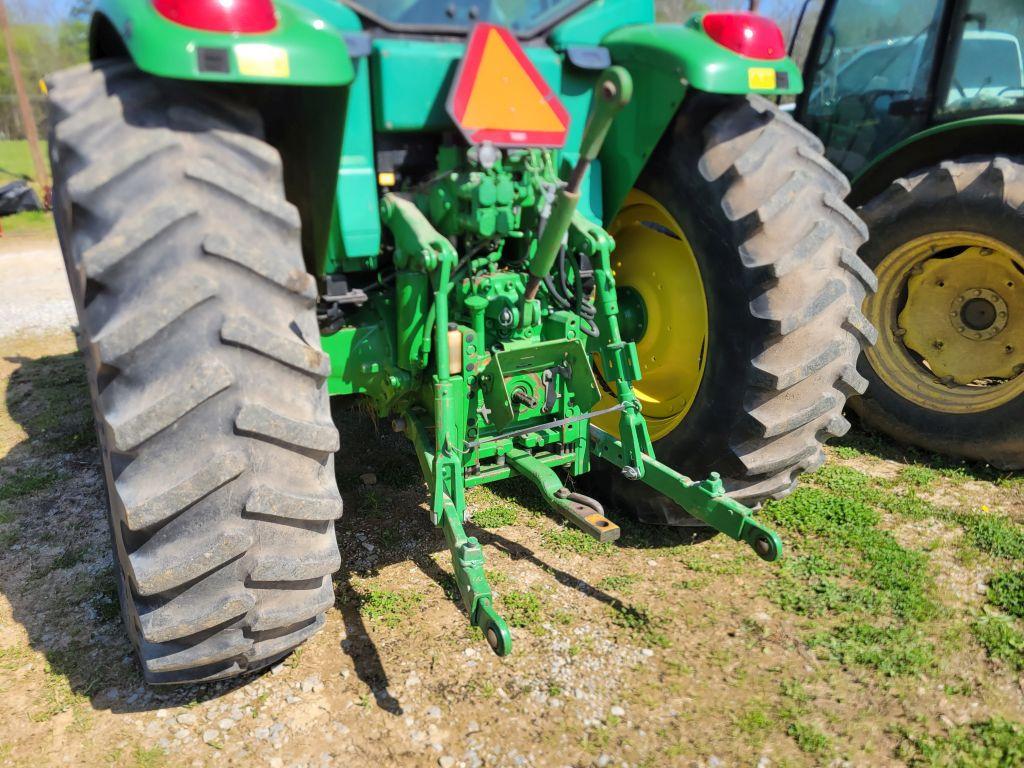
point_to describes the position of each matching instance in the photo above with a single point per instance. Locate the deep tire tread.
(199, 318)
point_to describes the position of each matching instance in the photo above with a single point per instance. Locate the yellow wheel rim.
(950, 312)
(664, 310)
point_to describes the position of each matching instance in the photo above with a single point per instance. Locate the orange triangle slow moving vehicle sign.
(500, 97)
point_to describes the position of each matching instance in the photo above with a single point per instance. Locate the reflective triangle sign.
(500, 97)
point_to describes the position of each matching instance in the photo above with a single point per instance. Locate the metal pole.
(27, 119)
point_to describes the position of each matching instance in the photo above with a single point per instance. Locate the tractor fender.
(988, 135)
(665, 61)
(304, 48)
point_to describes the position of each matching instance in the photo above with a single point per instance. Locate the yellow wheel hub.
(953, 306)
(662, 298)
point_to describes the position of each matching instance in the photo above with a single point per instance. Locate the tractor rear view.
(540, 241)
(922, 104)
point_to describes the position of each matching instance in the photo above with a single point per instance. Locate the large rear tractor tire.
(739, 279)
(947, 374)
(204, 362)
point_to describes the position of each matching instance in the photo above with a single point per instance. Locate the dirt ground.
(891, 633)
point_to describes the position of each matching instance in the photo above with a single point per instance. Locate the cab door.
(871, 75)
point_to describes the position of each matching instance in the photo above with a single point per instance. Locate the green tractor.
(921, 103)
(538, 237)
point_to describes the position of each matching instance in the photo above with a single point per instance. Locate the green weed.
(922, 477)
(1000, 639)
(900, 650)
(642, 622)
(522, 609)
(998, 536)
(573, 540)
(809, 739)
(389, 607)
(495, 516)
(25, 483)
(995, 743)
(1006, 591)
(756, 721)
(622, 582)
(71, 556)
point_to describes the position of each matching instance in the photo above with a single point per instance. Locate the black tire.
(203, 355)
(983, 195)
(776, 247)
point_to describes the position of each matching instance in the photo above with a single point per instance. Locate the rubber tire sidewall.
(995, 435)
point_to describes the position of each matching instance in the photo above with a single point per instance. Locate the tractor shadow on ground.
(55, 556)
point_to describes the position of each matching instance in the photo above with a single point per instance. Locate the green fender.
(665, 60)
(303, 49)
(985, 134)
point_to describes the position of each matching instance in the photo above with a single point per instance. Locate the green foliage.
(755, 721)
(998, 536)
(575, 540)
(389, 607)
(922, 477)
(642, 622)
(809, 739)
(522, 609)
(71, 556)
(994, 743)
(495, 516)
(25, 483)
(1006, 591)
(622, 582)
(1000, 639)
(897, 650)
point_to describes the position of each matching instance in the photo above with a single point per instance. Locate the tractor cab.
(880, 72)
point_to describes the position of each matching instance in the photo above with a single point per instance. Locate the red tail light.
(746, 33)
(220, 15)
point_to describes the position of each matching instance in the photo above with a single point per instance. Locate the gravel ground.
(34, 293)
(648, 654)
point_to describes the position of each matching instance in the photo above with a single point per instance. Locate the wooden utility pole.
(28, 120)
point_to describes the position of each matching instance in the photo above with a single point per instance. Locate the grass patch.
(809, 739)
(899, 577)
(573, 540)
(986, 744)
(496, 516)
(28, 223)
(149, 758)
(71, 556)
(522, 609)
(16, 160)
(1000, 639)
(389, 607)
(898, 650)
(1006, 591)
(997, 536)
(648, 627)
(755, 721)
(25, 483)
(921, 477)
(622, 582)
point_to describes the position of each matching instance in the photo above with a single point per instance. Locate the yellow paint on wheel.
(950, 312)
(653, 257)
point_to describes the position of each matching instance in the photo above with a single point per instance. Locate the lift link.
(705, 500)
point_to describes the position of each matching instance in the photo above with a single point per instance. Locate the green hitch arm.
(705, 499)
(613, 91)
